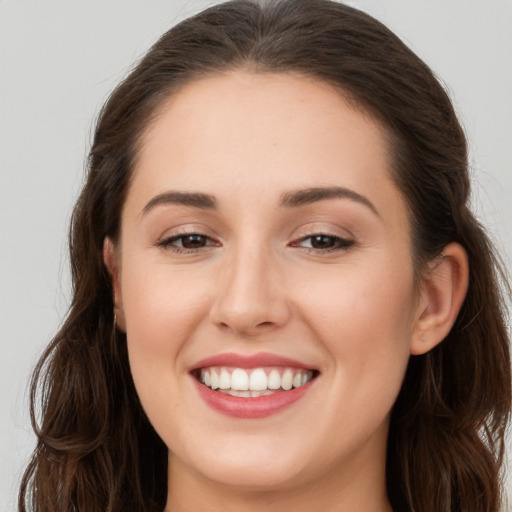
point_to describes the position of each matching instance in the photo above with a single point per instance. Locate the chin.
(262, 471)
(255, 478)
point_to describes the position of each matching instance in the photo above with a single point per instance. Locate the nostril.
(246, 329)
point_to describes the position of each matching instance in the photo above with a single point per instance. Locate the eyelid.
(342, 243)
(326, 228)
(184, 230)
(166, 240)
(172, 238)
(342, 237)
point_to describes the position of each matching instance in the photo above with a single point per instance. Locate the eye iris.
(193, 241)
(322, 242)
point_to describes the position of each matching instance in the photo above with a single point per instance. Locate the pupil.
(321, 242)
(193, 241)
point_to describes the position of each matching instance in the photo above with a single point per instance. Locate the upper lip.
(249, 361)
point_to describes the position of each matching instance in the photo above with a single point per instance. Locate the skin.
(257, 285)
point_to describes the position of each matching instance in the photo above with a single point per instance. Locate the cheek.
(364, 318)
(163, 311)
(161, 303)
(372, 299)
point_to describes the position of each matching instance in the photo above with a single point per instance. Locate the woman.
(281, 298)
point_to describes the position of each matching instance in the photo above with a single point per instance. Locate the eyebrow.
(193, 199)
(307, 196)
(293, 199)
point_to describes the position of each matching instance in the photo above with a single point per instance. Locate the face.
(265, 252)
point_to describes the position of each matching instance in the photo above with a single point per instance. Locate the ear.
(111, 260)
(443, 291)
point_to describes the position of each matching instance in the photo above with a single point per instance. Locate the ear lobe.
(111, 260)
(444, 289)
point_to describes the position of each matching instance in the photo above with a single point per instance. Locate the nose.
(251, 297)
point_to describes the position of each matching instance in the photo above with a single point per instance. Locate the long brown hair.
(96, 449)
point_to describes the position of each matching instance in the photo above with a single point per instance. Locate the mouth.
(251, 386)
(253, 382)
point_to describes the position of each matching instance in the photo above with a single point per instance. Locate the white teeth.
(274, 380)
(255, 382)
(258, 380)
(214, 378)
(287, 380)
(224, 379)
(265, 392)
(239, 380)
(235, 392)
(244, 394)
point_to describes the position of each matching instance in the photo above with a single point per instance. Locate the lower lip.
(250, 408)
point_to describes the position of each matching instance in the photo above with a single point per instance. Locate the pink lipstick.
(251, 386)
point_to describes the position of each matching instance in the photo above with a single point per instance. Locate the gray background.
(58, 61)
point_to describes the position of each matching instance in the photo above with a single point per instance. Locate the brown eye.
(194, 241)
(322, 242)
(187, 243)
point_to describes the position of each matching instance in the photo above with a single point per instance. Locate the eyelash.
(169, 244)
(340, 244)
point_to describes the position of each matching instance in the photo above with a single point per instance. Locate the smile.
(251, 386)
(256, 382)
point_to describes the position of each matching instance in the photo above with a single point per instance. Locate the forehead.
(256, 101)
(266, 133)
